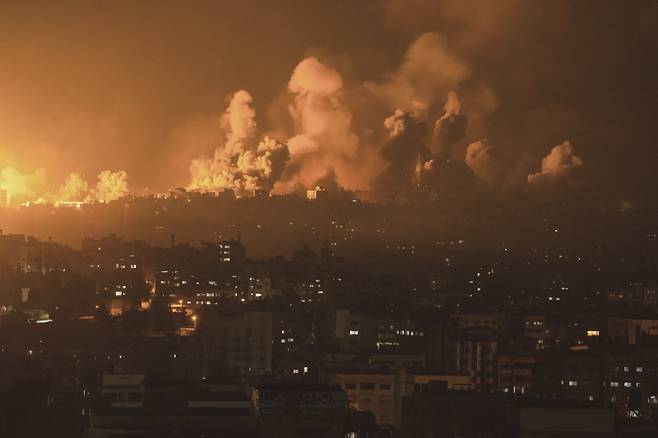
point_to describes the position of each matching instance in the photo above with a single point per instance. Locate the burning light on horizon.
(28, 189)
(426, 127)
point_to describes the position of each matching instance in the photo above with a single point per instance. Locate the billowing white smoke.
(427, 73)
(241, 164)
(431, 71)
(241, 117)
(261, 168)
(397, 123)
(560, 161)
(481, 158)
(324, 144)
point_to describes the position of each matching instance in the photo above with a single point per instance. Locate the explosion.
(336, 137)
(240, 165)
(110, 186)
(20, 187)
(324, 144)
(75, 188)
(29, 188)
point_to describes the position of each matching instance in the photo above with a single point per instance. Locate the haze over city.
(385, 218)
(183, 95)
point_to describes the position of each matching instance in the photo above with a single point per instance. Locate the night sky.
(144, 87)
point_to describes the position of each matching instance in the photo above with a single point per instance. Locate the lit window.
(628, 384)
(354, 333)
(639, 369)
(573, 383)
(614, 384)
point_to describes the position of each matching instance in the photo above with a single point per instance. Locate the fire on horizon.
(337, 219)
(508, 97)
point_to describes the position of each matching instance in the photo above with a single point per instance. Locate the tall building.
(476, 353)
(237, 344)
(352, 332)
(515, 373)
(259, 286)
(231, 251)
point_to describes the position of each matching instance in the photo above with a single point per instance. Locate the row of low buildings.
(130, 405)
(255, 345)
(135, 405)
(415, 368)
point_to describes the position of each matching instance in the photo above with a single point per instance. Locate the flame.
(27, 189)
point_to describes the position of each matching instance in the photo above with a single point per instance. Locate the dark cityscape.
(305, 219)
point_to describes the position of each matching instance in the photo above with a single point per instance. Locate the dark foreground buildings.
(123, 338)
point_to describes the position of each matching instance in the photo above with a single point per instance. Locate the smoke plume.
(429, 71)
(405, 155)
(241, 118)
(449, 128)
(560, 161)
(241, 164)
(324, 143)
(483, 161)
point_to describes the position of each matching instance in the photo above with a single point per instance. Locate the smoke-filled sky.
(366, 95)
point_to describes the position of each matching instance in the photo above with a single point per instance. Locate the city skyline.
(329, 219)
